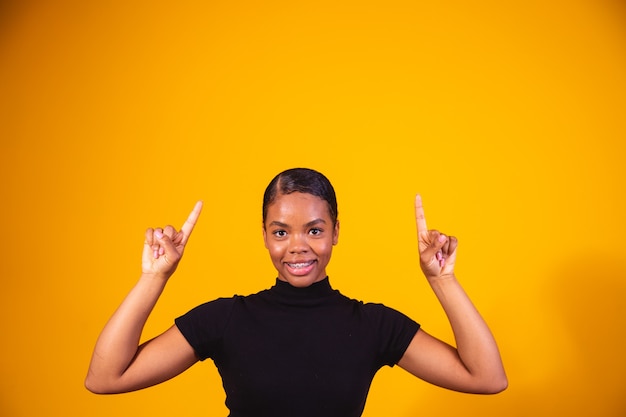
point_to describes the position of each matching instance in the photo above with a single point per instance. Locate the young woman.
(300, 348)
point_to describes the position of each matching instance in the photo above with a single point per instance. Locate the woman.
(300, 348)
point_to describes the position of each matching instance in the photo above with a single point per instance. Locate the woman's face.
(299, 235)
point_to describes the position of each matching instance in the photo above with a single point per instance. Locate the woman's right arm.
(119, 363)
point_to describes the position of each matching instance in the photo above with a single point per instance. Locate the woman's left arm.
(475, 364)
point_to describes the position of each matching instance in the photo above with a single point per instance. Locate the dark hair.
(301, 180)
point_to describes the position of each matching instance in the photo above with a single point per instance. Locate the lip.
(301, 267)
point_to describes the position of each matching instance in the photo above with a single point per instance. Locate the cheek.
(324, 248)
(275, 250)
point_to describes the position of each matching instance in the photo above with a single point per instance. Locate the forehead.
(298, 206)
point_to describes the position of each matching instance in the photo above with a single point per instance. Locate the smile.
(300, 265)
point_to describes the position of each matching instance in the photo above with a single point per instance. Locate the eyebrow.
(309, 224)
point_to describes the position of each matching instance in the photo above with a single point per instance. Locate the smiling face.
(299, 235)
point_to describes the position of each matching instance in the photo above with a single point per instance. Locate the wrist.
(441, 279)
(155, 277)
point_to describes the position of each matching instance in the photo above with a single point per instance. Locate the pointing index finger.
(420, 219)
(191, 221)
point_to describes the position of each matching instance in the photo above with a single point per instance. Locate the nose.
(298, 243)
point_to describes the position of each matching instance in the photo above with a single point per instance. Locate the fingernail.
(442, 238)
(158, 234)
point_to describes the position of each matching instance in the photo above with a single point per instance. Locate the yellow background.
(507, 116)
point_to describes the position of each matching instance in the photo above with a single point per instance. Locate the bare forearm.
(476, 345)
(118, 342)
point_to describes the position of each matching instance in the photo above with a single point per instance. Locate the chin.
(301, 282)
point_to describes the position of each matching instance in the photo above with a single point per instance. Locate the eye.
(279, 233)
(315, 231)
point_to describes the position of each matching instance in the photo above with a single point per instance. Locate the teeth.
(300, 265)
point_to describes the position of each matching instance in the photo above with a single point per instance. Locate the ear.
(336, 233)
(265, 237)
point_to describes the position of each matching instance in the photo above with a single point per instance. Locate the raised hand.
(437, 251)
(163, 247)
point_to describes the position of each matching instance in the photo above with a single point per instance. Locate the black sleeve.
(394, 332)
(203, 326)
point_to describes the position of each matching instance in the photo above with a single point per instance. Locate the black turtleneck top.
(297, 352)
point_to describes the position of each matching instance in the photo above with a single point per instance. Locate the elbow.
(504, 384)
(494, 385)
(98, 385)
(93, 386)
(487, 384)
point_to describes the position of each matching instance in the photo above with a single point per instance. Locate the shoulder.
(382, 316)
(379, 309)
(374, 311)
(226, 303)
(369, 307)
(217, 310)
(219, 307)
